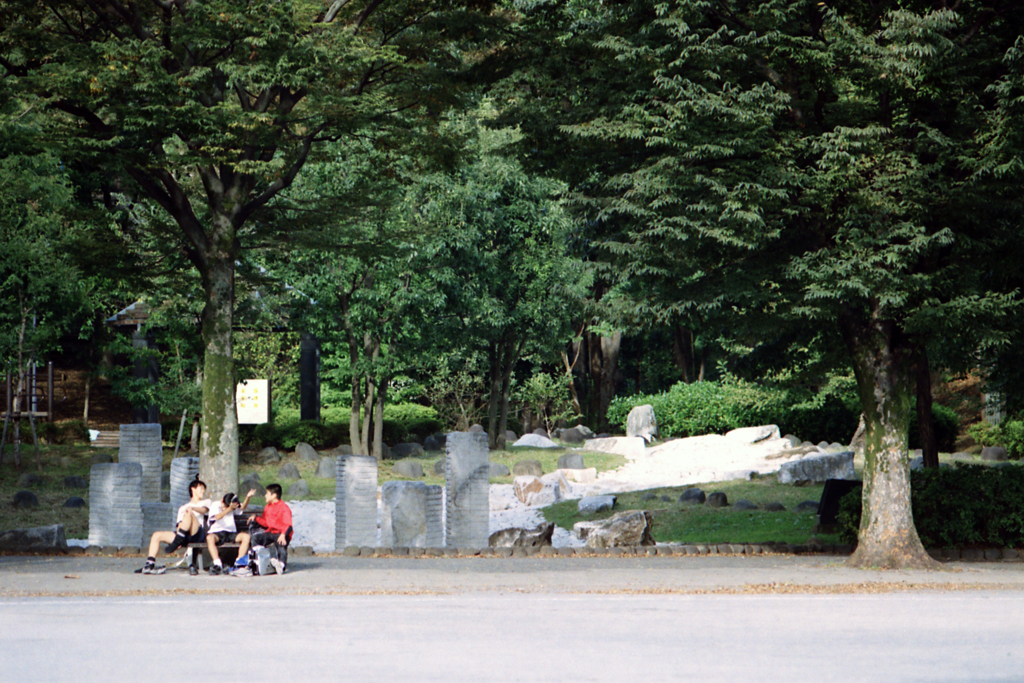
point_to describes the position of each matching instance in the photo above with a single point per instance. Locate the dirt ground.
(106, 411)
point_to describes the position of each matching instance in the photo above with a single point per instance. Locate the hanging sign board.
(252, 401)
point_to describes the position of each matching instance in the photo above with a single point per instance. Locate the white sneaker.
(277, 564)
(241, 571)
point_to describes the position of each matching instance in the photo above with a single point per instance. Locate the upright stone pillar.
(411, 515)
(467, 507)
(183, 471)
(355, 501)
(146, 367)
(141, 443)
(309, 378)
(115, 504)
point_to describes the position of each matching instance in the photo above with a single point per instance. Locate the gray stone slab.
(467, 508)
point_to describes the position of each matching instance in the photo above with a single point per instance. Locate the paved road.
(558, 619)
(964, 636)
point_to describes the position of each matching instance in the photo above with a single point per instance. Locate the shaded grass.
(58, 462)
(676, 522)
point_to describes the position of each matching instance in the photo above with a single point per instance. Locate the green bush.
(960, 506)
(946, 424)
(1009, 435)
(72, 431)
(717, 407)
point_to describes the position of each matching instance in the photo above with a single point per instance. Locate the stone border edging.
(667, 550)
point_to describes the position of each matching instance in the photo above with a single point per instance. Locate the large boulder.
(528, 467)
(642, 422)
(298, 489)
(251, 483)
(629, 446)
(33, 479)
(528, 538)
(410, 469)
(476, 429)
(632, 527)
(755, 434)
(993, 453)
(408, 450)
(571, 435)
(693, 496)
(510, 436)
(76, 482)
(431, 444)
(717, 500)
(74, 502)
(289, 470)
(268, 456)
(540, 431)
(815, 469)
(439, 466)
(101, 458)
(406, 515)
(535, 441)
(533, 491)
(306, 453)
(498, 470)
(571, 461)
(594, 504)
(25, 499)
(327, 468)
(343, 449)
(40, 539)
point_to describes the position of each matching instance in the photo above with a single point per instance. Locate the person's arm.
(286, 524)
(245, 503)
(224, 511)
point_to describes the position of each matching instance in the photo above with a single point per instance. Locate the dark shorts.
(222, 537)
(197, 537)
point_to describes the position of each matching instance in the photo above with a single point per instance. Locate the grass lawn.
(676, 522)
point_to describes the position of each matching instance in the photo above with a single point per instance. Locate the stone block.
(411, 515)
(816, 469)
(467, 504)
(141, 443)
(410, 469)
(571, 461)
(355, 501)
(641, 422)
(528, 467)
(594, 504)
(34, 540)
(628, 446)
(306, 453)
(289, 470)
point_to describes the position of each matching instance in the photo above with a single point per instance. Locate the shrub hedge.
(717, 407)
(287, 430)
(959, 506)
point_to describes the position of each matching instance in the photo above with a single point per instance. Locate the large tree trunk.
(682, 350)
(378, 419)
(925, 426)
(883, 367)
(509, 360)
(494, 396)
(218, 446)
(604, 361)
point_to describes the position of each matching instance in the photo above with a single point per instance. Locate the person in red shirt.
(272, 529)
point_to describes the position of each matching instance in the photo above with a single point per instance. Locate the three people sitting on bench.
(272, 529)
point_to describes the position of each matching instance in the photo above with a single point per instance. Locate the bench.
(194, 551)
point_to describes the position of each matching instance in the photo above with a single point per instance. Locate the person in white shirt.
(190, 528)
(223, 530)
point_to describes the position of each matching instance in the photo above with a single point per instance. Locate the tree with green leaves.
(824, 166)
(41, 289)
(211, 109)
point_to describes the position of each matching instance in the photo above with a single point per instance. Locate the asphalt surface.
(330, 618)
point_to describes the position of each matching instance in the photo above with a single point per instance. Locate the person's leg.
(157, 538)
(187, 527)
(149, 567)
(211, 545)
(243, 543)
